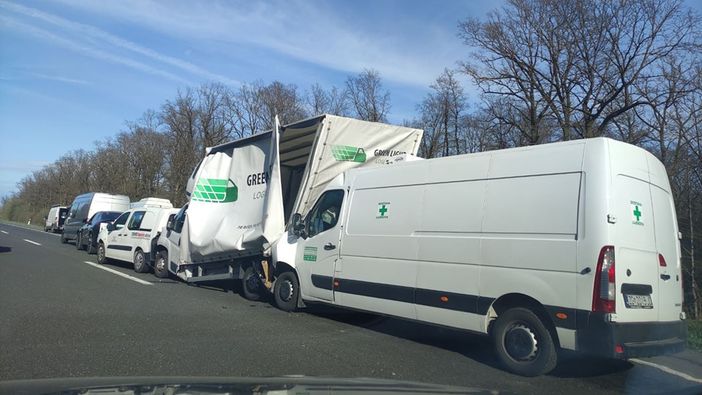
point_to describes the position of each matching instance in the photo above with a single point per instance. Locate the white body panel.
(443, 240)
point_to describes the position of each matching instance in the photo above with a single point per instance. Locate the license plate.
(638, 301)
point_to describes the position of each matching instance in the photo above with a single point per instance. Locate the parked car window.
(135, 221)
(325, 213)
(180, 219)
(122, 219)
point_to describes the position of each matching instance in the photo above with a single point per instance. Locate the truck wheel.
(79, 241)
(286, 291)
(140, 265)
(161, 264)
(101, 258)
(251, 286)
(523, 343)
(90, 247)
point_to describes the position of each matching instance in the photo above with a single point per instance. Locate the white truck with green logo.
(243, 193)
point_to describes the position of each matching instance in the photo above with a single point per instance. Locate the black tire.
(101, 258)
(251, 286)
(140, 265)
(523, 344)
(90, 246)
(286, 291)
(161, 264)
(79, 241)
(63, 239)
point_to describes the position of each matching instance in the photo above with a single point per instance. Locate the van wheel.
(286, 291)
(101, 258)
(251, 286)
(79, 241)
(523, 343)
(90, 247)
(140, 265)
(161, 264)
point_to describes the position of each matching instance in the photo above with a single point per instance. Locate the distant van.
(55, 218)
(571, 245)
(85, 205)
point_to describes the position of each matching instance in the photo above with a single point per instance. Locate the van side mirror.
(298, 225)
(110, 226)
(169, 224)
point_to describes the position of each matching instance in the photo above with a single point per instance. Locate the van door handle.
(665, 277)
(329, 246)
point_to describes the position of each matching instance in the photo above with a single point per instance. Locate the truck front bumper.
(630, 340)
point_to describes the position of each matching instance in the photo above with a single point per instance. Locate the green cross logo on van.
(383, 208)
(213, 190)
(348, 153)
(636, 212)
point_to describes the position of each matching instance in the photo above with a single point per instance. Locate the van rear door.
(668, 246)
(636, 258)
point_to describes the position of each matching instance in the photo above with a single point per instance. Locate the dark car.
(88, 233)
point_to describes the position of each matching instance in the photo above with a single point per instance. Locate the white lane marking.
(32, 242)
(4, 232)
(667, 370)
(127, 276)
(33, 230)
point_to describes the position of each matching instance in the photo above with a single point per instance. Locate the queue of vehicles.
(570, 245)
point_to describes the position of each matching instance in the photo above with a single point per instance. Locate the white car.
(132, 236)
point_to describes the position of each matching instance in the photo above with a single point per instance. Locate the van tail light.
(604, 290)
(661, 261)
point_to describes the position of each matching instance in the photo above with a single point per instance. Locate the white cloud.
(16, 25)
(59, 78)
(300, 29)
(102, 39)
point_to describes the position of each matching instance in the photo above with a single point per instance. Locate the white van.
(570, 245)
(87, 204)
(55, 218)
(132, 236)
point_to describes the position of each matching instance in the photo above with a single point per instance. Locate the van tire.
(161, 264)
(286, 291)
(90, 247)
(140, 265)
(251, 286)
(79, 241)
(513, 332)
(101, 258)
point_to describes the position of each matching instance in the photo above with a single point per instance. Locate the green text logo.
(213, 190)
(310, 254)
(348, 153)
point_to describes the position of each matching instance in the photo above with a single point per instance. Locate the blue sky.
(72, 72)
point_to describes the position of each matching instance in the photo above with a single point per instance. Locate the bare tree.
(321, 101)
(574, 61)
(369, 100)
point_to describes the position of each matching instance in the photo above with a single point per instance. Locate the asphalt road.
(61, 317)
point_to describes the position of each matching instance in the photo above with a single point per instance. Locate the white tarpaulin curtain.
(226, 202)
(347, 143)
(273, 212)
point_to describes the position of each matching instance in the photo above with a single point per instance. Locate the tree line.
(546, 71)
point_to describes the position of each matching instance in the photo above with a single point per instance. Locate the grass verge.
(694, 334)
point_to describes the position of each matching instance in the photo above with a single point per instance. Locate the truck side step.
(212, 277)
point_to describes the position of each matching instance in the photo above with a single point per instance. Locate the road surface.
(61, 316)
